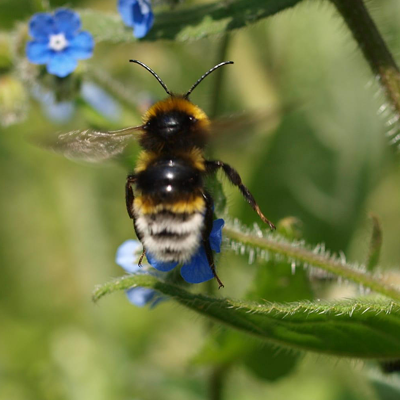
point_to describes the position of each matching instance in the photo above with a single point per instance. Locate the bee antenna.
(154, 74)
(205, 75)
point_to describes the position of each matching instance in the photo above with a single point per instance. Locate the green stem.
(217, 380)
(316, 260)
(375, 244)
(218, 373)
(373, 47)
(219, 78)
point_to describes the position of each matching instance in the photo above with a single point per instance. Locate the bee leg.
(141, 257)
(129, 197)
(208, 217)
(234, 177)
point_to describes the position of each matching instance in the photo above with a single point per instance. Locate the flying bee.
(172, 212)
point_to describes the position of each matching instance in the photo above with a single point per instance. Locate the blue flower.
(197, 270)
(58, 41)
(59, 112)
(127, 258)
(101, 101)
(138, 15)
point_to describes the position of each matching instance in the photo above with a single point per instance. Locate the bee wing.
(241, 127)
(243, 124)
(92, 146)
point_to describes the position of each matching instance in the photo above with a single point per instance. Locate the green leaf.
(276, 281)
(386, 389)
(216, 190)
(186, 24)
(280, 282)
(224, 347)
(362, 329)
(267, 363)
(262, 358)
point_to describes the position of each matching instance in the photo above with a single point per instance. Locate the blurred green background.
(326, 162)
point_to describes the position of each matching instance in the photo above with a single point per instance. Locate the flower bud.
(13, 100)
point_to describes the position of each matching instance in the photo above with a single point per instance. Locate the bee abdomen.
(168, 236)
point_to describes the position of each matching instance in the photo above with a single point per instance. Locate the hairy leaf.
(186, 24)
(357, 328)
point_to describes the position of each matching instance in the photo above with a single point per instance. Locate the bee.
(172, 211)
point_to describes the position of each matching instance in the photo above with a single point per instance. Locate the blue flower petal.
(140, 29)
(125, 8)
(41, 26)
(159, 265)
(38, 52)
(140, 296)
(137, 14)
(216, 235)
(61, 64)
(67, 21)
(197, 270)
(126, 256)
(101, 101)
(81, 46)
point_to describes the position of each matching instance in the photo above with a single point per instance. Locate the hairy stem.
(308, 257)
(373, 47)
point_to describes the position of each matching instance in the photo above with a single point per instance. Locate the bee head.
(170, 124)
(174, 122)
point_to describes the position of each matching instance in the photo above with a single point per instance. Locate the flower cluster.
(197, 270)
(138, 15)
(58, 41)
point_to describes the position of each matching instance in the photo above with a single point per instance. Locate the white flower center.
(144, 6)
(58, 42)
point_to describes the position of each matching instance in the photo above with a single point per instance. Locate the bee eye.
(192, 119)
